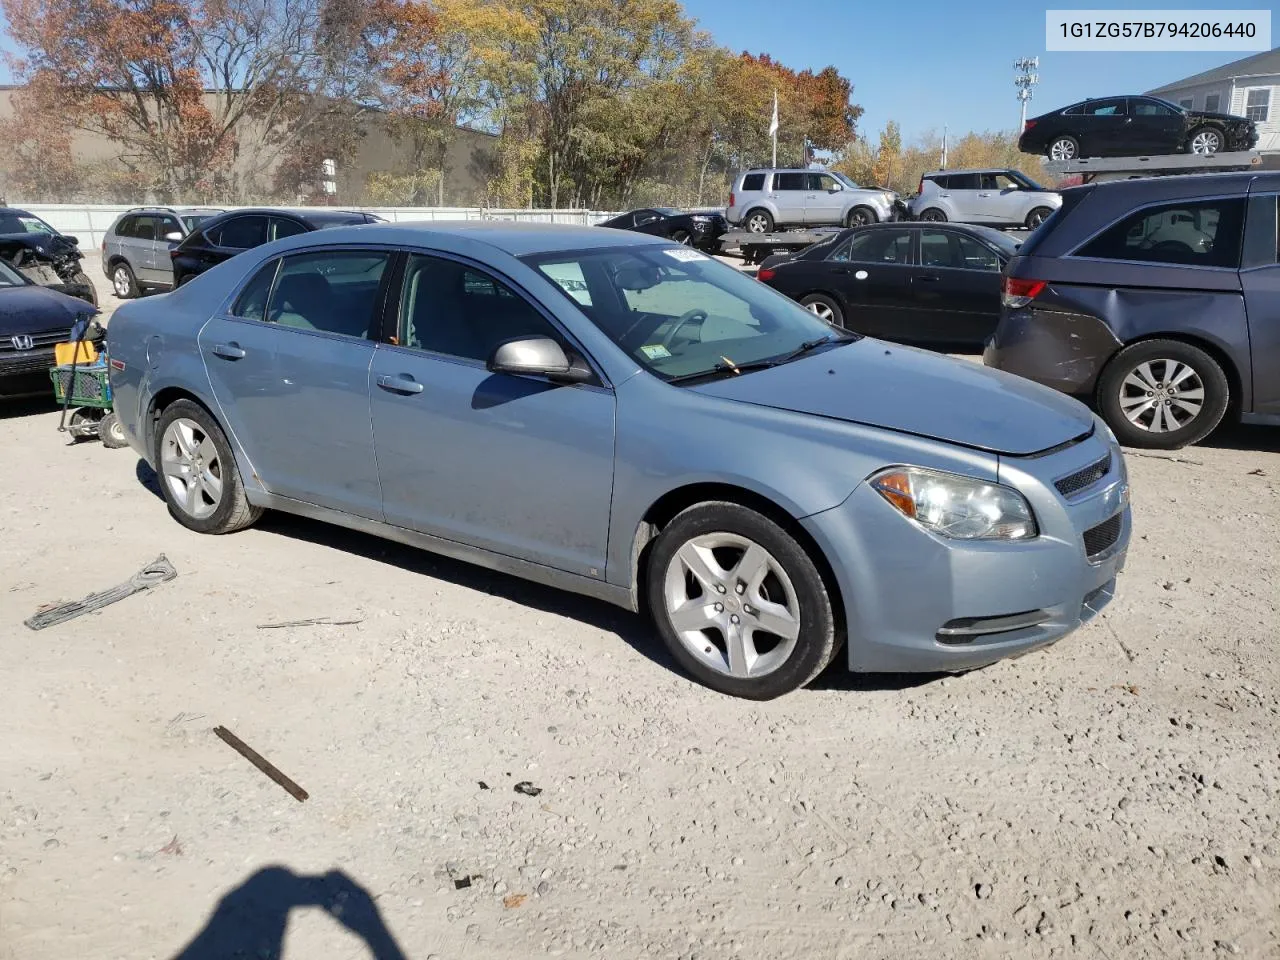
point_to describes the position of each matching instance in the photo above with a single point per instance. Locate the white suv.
(762, 200)
(1004, 198)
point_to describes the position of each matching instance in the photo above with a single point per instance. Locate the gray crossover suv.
(999, 197)
(135, 249)
(764, 199)
(544, 400)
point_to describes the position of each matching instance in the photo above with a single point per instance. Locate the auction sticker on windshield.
(684, 254)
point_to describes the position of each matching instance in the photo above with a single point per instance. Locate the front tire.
(860, 217)
(739, 603)
(1205, 141)
(933, 215)
(824, 308)
(1063, 148)
(123, 283)
(198, 473)
(758, 221)
(1163, 394)
(682, 236)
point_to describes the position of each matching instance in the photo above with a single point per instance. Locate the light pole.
(1024, 80)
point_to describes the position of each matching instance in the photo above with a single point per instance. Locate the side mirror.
(70, 239)
(537, 357)
(173, 236)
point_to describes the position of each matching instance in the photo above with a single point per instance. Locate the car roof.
(312, 217)
(952, 170)
(1192, 184)
(515, 238)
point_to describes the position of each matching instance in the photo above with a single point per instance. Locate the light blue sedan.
(626, 418)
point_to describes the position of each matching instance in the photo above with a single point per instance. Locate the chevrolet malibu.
(623, 417)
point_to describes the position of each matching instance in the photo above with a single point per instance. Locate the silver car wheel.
(191, 468)
(822, 311)
(1063, 149)
(1161, 396)
(732, 605)
(1206, 142)
(756, 223)
(120, 281)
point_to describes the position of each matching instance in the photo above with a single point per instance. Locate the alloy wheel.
(120, 281)
(1161, 396)
(756, 224)
(822, 311)
(1062, 150)
(191, 468)
(732, 605)
(1206, 142)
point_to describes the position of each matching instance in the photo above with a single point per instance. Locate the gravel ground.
(1117, 795)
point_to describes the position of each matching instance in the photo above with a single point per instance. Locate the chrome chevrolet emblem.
(23, 341)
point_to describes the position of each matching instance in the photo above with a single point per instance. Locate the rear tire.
(933, 215)
(824, 308)
(734, 547)
(1063, 148)
(1038, 216)
(83, 278)
(758, 221)
(1163, 394)
(191, 447)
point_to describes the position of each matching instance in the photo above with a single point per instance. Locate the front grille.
(1103, 537)
(46, 339)
(28, 361)
(1083, 479)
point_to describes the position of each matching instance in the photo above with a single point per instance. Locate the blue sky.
(926, 63)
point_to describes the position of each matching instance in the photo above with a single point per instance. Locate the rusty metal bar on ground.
(246, 751)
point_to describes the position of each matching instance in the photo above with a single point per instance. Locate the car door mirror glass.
(536, 357)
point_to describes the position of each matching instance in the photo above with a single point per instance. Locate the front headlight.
(957, 507)
(701, 218)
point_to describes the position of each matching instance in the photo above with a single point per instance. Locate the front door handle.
(401, 384)
(229, 351)
(840, 270)
(929, 279)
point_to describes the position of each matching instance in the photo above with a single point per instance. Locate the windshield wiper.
(809, 345)
(724, 367)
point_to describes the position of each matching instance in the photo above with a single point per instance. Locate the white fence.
(88, 223)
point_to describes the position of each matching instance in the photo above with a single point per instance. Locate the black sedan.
(935, 284)
(32, 319)
(222, 237)
(701, 230)
(1133, 127)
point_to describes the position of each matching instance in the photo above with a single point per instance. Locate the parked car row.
(701, 230)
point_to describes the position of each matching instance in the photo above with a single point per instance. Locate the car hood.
(1225, 117)
(914, 391)
(36, 309)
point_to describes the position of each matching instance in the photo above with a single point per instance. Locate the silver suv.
(1005, 198)
(135, 249)
(762, 200)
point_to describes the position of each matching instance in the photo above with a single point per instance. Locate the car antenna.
(731, 365)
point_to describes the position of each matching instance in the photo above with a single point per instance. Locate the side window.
(456, 310)
(969, 254)
(125, 227)
(144, 227)
(1202, 233)
(646, 216)
(942, 182)
(789, 181)
(1104, 108)
(242, 233)
(963, 181)
(822, 181)
(167, 226)
(877, 246)
(281, 228)
(1149, 108)
(335, 292)
(1261, 238)
(252, 302)
(753, 181)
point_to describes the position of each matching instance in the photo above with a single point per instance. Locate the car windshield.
(999, 239)
(667, 211)
(10, 277)
(1022, 178)
(11, 221)
(679, 313)
(845, 180)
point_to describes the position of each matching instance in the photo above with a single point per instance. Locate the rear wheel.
(1205, 141)
(933, 215)
(1163, 394)
(123, 283)
(1063, 148)
(824, 307)
(759, 221)
(739, 603)
(198, 473)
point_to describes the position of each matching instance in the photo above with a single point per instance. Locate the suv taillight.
(731, 199)
(1016, 293)
(920, 189)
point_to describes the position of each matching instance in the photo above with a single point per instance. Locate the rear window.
(753, 181)
(1199, 233)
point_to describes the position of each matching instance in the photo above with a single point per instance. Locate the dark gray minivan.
(1156, 299)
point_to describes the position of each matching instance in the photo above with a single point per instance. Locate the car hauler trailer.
(1097, 169)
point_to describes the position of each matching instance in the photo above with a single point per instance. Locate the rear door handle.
(929, 279)
(840, 270)
(401, 384)
(230, 351)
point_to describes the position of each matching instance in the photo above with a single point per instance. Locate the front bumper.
(26, 373)
(918, 602)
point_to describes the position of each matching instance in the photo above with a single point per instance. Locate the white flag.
(773, 124)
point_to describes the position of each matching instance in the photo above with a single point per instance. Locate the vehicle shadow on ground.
(633, 629)
(1239, 436)
(250, 921)
(17, 407)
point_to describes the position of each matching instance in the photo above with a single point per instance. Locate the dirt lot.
(1115, 796)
